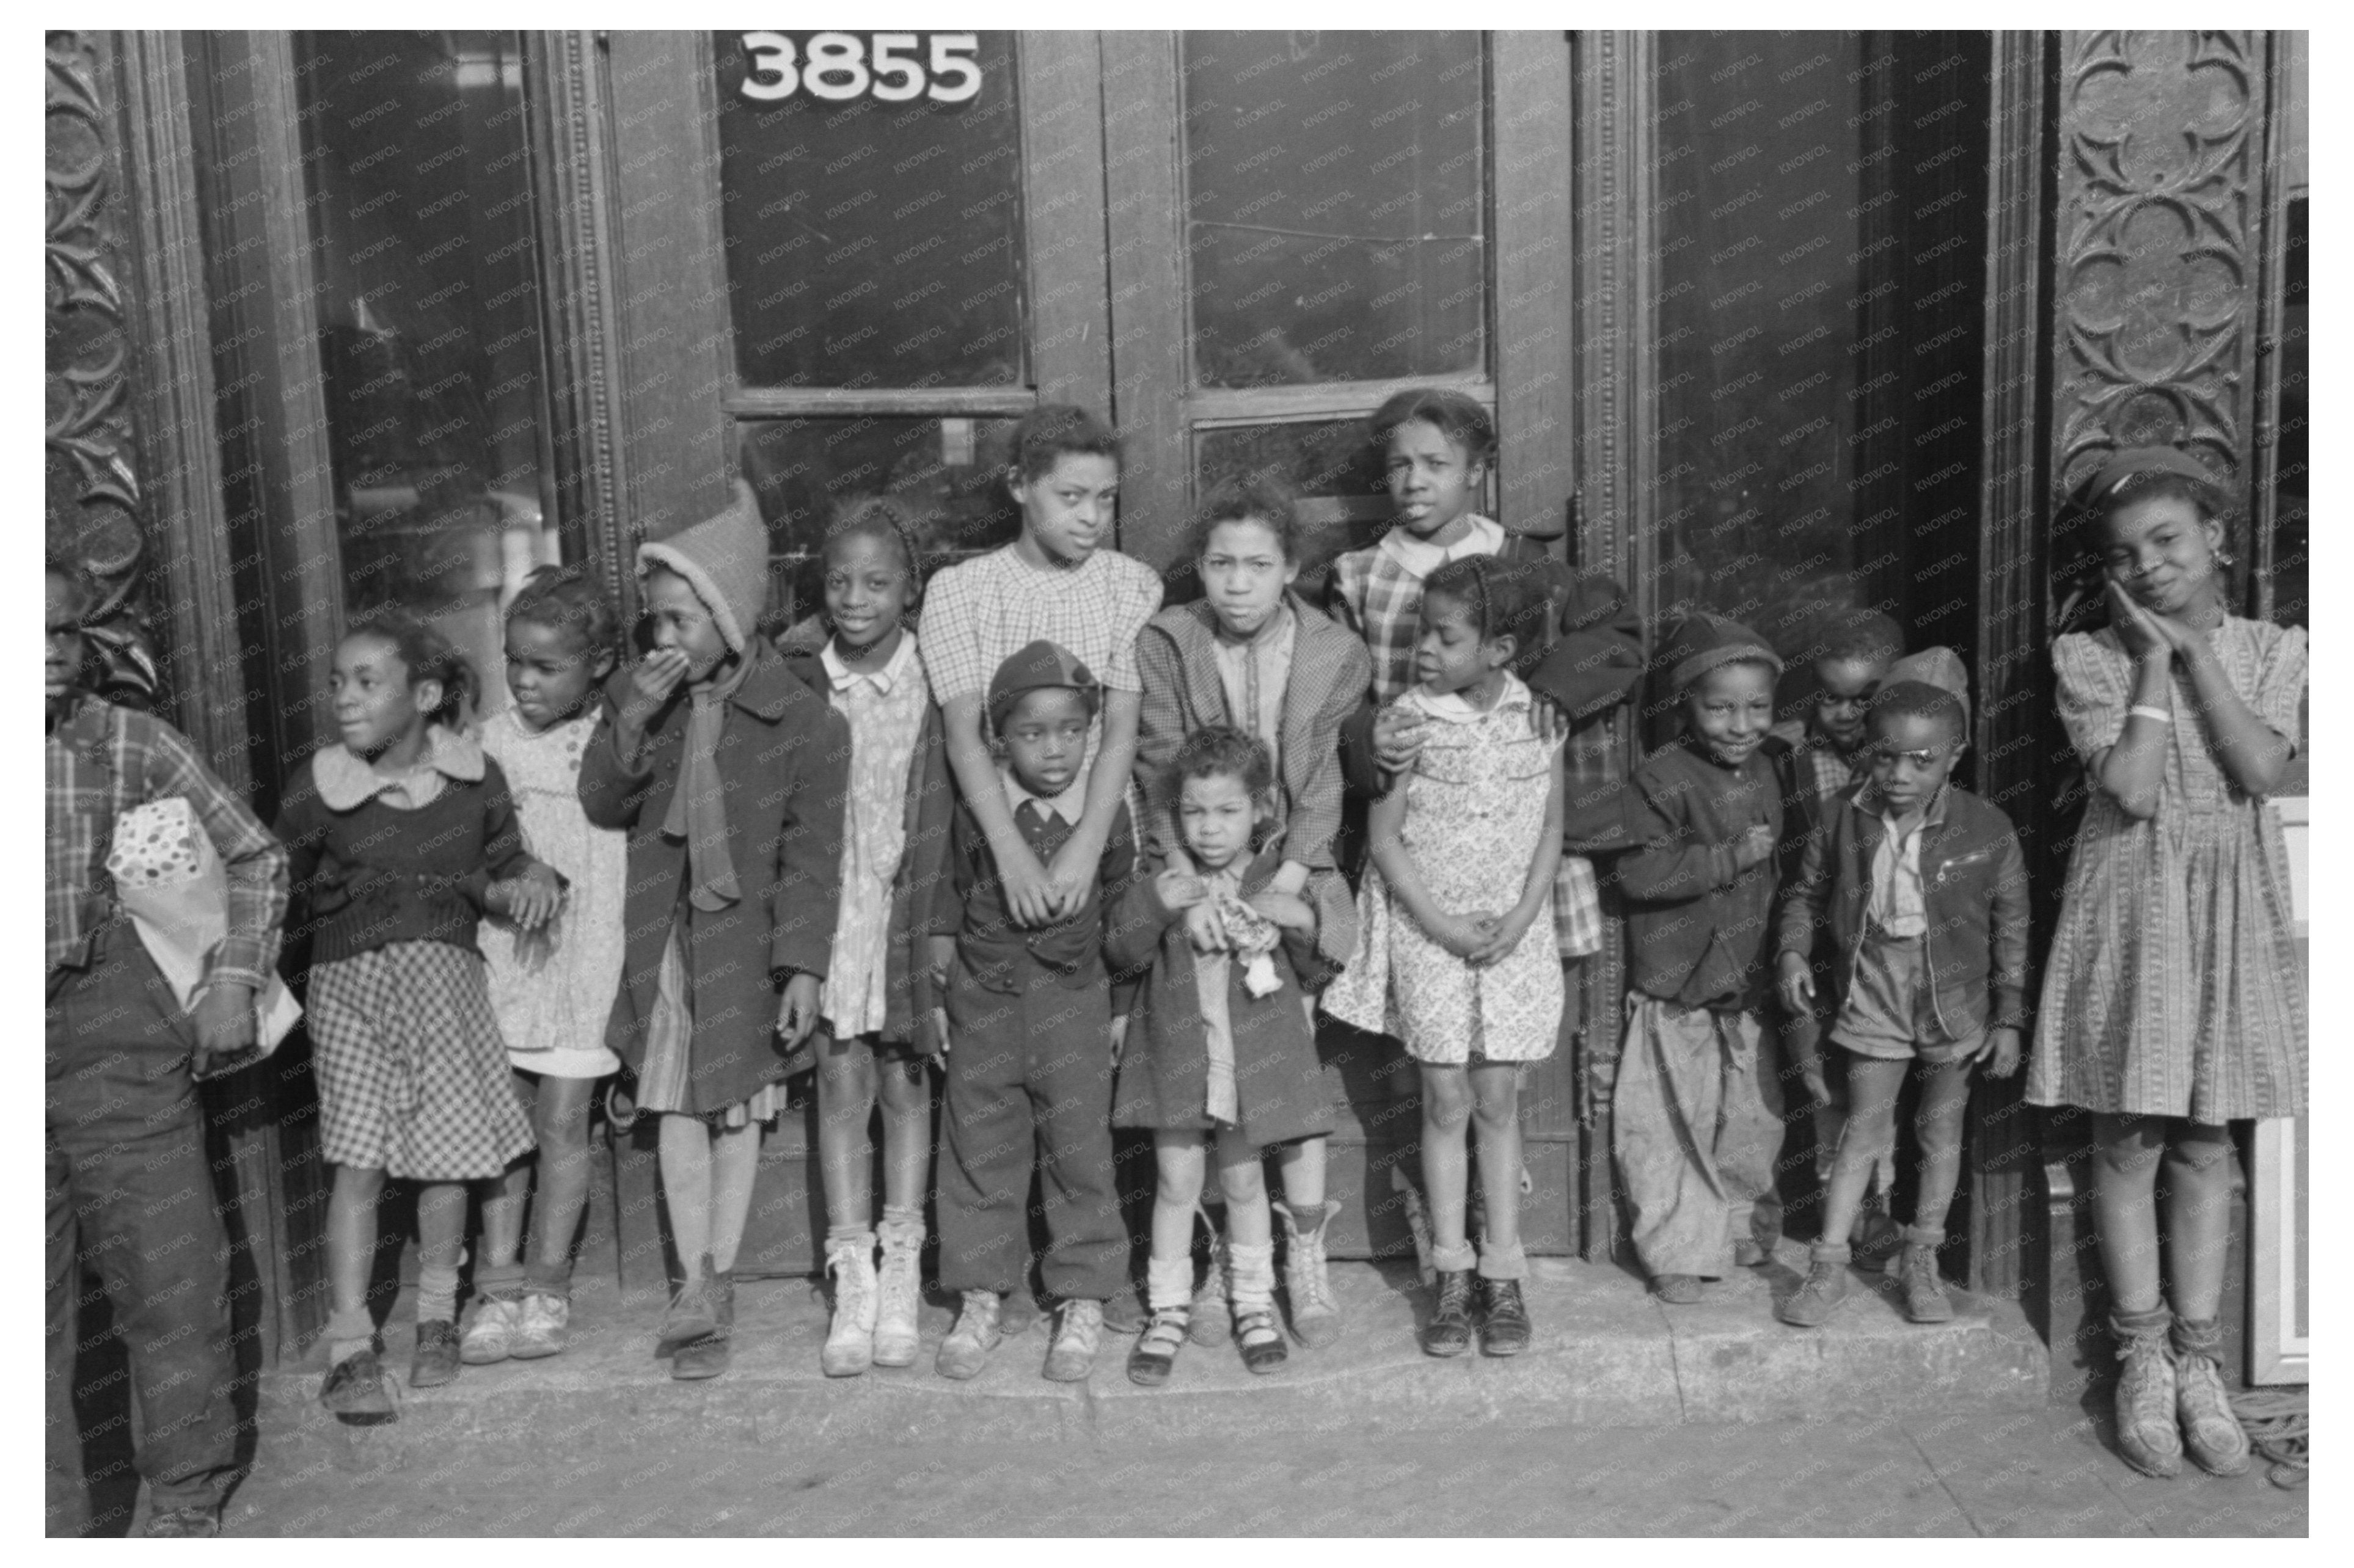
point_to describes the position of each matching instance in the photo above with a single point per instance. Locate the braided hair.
(1504, 599)
(428, 655)
(883, 517)
(569, 598)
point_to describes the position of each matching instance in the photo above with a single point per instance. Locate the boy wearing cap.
(1697, 1112)
(1029, 1025)
(1925, 893)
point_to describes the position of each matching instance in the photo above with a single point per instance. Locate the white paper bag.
(175, 890)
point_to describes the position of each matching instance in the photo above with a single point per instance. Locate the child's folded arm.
(613, 789)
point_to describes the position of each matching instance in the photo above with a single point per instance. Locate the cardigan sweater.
(923, 898)
(1698, 927)
(375, 875)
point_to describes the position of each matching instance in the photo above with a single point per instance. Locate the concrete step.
(1606, 1353)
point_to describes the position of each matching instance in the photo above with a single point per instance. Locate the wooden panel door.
(1301, 224)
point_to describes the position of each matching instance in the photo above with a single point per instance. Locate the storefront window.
(950, 474)
(1336, 200)
(871, 199)
(417, 163)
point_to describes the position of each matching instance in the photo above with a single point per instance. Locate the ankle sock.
(855, 1234)
(1168, 1282)
(437, 1292)
(349, 1331)
(1251, 1270)
(1501, 1263)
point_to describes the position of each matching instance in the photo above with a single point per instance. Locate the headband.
(2124, 464)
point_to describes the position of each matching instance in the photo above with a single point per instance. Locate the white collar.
(346, 781)
(1422, 557)
(1456, 708)
(893, 668)
(1070, 805)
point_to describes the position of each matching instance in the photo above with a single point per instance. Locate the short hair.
(880, 517)
(1460, 417)
(429, 655)
(2203, 496)
(1506, 598)
(569, 598)
(1051, 429)
(1857, 633)
(1918, 699)
(1220, 752)
(1257, 497)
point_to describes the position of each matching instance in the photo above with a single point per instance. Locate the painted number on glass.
(892, 67)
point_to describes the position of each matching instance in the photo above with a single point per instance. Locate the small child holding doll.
(1219, 1049)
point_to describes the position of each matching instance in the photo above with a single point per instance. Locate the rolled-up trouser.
(1697, 1129)
(130, 1190)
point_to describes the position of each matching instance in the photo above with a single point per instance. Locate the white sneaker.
(490, 1337)
(542, 1326)
(901, 1294)
(850, 1347)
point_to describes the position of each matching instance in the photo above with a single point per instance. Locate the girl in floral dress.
(1442, 962)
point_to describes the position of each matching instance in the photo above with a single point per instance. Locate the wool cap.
(2124, 464)
(724, 559)
(1701, 641)
(1940, 667)
(1041, 666)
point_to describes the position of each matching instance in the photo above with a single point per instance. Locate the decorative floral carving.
(2159, 181)
(93, 492)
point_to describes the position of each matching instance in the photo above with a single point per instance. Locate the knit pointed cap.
(1939, 667)
(724, 559)
(1701, 641)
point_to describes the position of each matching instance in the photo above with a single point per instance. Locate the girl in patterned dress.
(1441, 961)
(403, 836)
(2174, 999)
(551, 989)
(878, 1027)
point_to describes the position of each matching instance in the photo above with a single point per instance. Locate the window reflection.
(1336, 204)
(417, 164)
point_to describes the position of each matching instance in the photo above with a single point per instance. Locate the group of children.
(1100, 863)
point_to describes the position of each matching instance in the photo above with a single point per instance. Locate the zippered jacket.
(1973, 885)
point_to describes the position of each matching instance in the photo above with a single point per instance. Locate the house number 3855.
(842, 66)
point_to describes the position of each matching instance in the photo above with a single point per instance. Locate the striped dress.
(2174, 986)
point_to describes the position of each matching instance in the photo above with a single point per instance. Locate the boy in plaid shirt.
(126, 1165)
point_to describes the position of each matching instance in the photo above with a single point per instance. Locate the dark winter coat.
(1165, 1064)
(784, 760)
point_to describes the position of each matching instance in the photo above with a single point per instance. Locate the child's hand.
(1548, 719)
(1462, 935)
(1029, 896)
(1178, 890)
(1503, 936)
(222, 1017)
(1797, 986)
(1069, 876)
(1286, 910)
(943, 956)
(1999, 1055)
(1206, 928)
(530, 898)
(2137, 628)
(941, 1025)
(652, 680)
(1755, 847)
(1397, 739)
(797, 1012)
(1119, 1037)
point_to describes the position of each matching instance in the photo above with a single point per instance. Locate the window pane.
(949, 474)
(1335, 227)
(1344, 502)
(419, 184)
(872, 243)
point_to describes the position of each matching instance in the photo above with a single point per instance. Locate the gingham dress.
(2174, 987)
(1474, 815)
(413, 1076)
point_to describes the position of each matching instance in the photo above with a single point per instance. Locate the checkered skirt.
(412, 1074)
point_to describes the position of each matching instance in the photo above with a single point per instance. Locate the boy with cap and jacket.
(1030, 1037)
(1698, 1112)
(1925, 893)
(729, 776)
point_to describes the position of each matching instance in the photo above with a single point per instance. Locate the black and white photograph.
(1126, 784)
